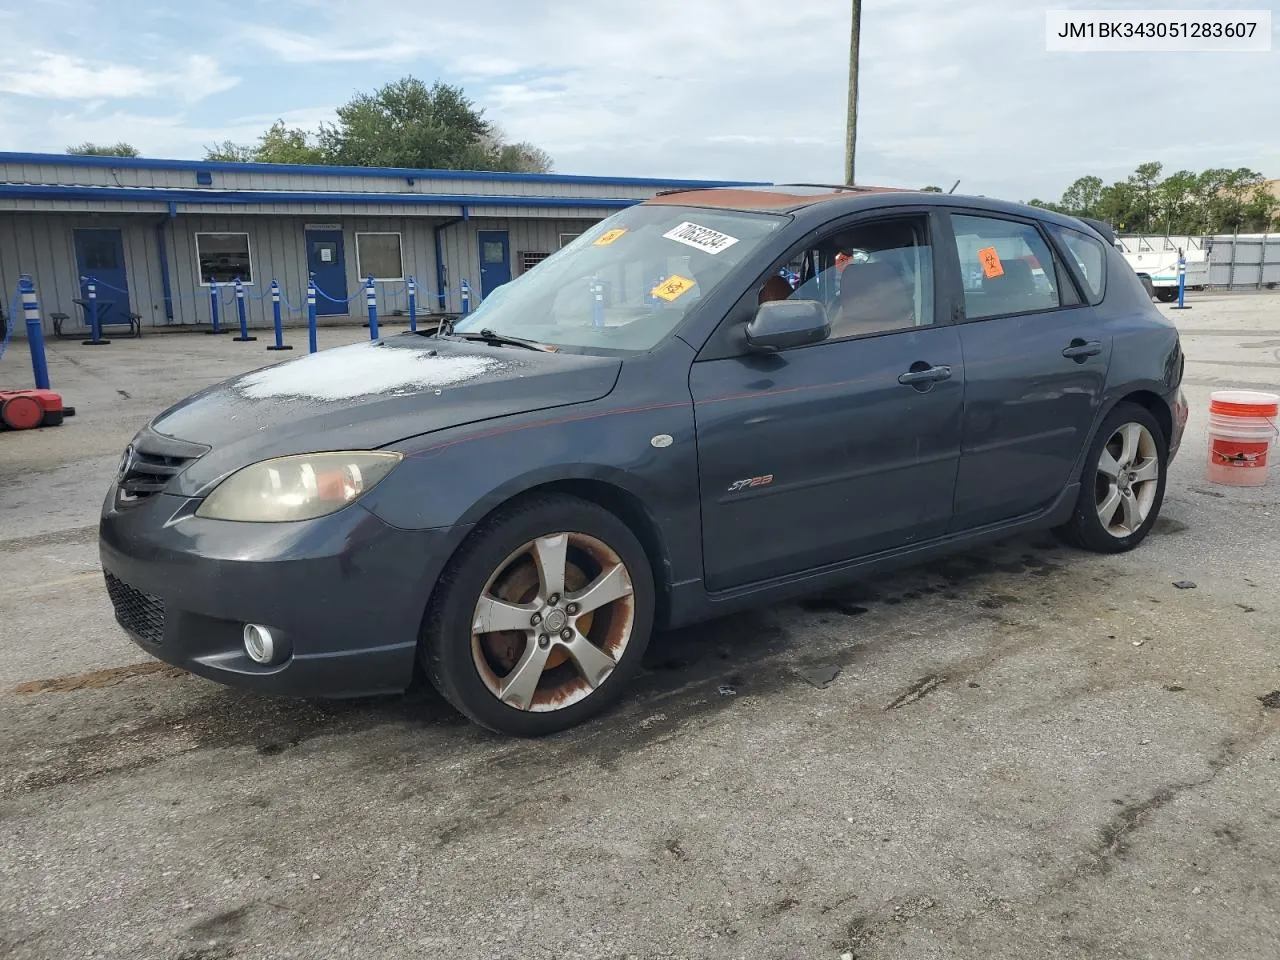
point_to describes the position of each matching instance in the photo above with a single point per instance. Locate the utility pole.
(851, 131)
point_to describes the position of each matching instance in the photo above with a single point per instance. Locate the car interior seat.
(1013, 291)
(873, 297)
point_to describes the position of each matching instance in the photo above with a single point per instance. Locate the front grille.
(139, 613)
(151, 461)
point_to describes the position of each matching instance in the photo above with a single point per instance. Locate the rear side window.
(1006, 267)
(1090, 258)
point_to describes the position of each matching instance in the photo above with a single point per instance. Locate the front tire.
(541, 618)
(1122, 487)
(1166, 294)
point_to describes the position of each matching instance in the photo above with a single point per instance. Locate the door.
(495, 260)
(328, 268)
(1036, 357)
(845, 448)
(100, 254)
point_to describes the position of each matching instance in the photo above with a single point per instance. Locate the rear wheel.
(1122, 488)
(1166, 294)
(541, 618)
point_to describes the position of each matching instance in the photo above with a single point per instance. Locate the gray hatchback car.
(713, 399)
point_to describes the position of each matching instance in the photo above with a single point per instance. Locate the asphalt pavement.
(1026, 751)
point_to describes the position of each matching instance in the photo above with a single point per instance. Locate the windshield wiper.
(489, 336)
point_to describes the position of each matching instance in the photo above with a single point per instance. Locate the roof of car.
(780, 197)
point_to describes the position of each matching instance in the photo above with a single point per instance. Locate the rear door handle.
(1082, 349)
(920, 373)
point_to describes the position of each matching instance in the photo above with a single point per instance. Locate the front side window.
(378, 255)
(626, 283)
(872, 278)
(1090, 257)
(223, 258)
(1006, 267)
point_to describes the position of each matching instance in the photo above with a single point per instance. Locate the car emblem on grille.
(126, 463)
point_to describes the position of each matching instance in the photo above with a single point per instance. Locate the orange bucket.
(1242, 424)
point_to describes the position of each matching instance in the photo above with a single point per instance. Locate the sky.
(719, 89)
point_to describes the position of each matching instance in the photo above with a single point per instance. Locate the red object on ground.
(25, 409)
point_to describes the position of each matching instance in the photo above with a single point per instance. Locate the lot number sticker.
(672, 287)
(701, 238)
(609, 236)
(990, 260)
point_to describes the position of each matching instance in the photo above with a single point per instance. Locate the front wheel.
(541, 618)
(1166, 294)
(1122, 487)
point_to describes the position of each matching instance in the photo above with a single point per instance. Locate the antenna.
(953, 187)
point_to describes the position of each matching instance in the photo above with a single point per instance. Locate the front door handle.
(1081, 350)
(923, 373)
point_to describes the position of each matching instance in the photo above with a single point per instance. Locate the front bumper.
(344, 595)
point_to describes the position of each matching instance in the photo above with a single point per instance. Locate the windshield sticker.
(672, 287)
(609, 236)
(701, 238)
(991, 265)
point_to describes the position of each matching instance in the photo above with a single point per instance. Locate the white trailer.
(1156, 258)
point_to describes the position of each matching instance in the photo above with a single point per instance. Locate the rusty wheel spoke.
(613, 584)
(521, 684)
(592, 662)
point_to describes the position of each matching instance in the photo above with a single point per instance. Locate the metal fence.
(1237, 261)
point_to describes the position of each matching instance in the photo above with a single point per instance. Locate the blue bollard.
(95, 321)
(466, 297)
(413, 306)
(1182, 281)
(275, 318)
(371, 301)
(240, 310)
(215, 325)
(35, 332)
(597, 303)
(311, 315)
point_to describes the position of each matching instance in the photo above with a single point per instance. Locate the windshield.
(625, 283)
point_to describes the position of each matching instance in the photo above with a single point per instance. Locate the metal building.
(157, 234)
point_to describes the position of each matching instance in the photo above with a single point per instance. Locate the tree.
(1083, 197)
(1144, 180)
(931, 189)
(279, 144)
(407, 124)
(89, 149)
(402, 124)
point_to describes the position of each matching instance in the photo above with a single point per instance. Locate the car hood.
(368, 395)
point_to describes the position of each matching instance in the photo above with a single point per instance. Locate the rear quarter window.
(1089, 257)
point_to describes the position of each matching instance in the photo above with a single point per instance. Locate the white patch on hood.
(361, 370)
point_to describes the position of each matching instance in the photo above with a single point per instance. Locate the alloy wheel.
(552, 622)
(1127, 479)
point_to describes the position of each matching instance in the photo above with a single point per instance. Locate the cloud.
(61, 76)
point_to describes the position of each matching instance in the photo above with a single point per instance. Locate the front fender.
(457, 477)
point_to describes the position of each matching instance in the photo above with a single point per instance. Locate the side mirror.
(782, 324)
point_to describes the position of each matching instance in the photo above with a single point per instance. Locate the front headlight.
(297, 488)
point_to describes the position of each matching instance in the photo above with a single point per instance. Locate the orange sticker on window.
(609, 236)
(990, 260)
(672, 287)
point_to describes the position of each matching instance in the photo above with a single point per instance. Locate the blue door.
(100, 254)
(495, 260)
(328, 269)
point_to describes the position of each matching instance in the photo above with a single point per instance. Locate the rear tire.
(1166, 294)
(541, 618)
(1122, 486)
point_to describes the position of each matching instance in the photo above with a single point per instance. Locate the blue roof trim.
(171, 195)
(147, 163)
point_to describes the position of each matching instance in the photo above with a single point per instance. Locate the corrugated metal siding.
(185, 178)
(461, 245)
(43, 246)
(277, 249)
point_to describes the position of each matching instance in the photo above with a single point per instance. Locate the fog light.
(258, 643)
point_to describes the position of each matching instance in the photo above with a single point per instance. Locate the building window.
(568, 238)
(379, 254)
(223, 258)
(529, 259)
